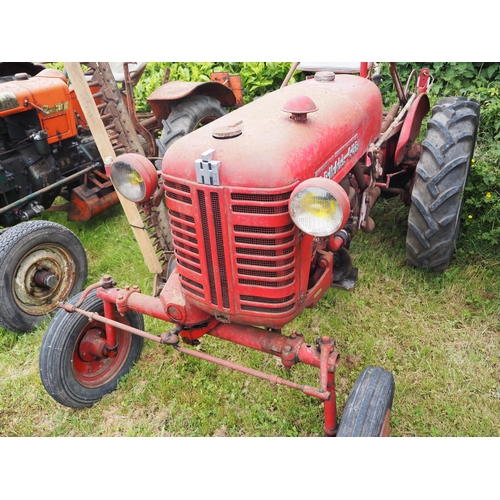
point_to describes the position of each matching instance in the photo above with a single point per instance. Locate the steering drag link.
(172, 339)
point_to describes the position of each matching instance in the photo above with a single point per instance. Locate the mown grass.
(437, 333)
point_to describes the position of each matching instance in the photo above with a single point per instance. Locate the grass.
(437, 333)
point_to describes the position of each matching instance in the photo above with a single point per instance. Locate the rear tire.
(440, 179)
(69, 373)
(368, 408)
(186, 116)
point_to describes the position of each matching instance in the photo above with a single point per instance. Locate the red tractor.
(47, 151)
(263, 204)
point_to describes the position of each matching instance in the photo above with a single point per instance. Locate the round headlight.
(134, 177)
(319, 207)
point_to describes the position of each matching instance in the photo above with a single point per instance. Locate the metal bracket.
(122, 299)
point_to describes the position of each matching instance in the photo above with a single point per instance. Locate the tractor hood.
(318, 127)
(47, 93)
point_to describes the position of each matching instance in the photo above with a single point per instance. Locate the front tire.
(441, 175)
(72, 376)
(368, 408)
(186, 116)
(41, 264)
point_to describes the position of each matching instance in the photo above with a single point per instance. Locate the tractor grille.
(236, 251)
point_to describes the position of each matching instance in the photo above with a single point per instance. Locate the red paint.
(411, 125)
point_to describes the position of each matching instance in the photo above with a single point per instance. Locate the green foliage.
(56, 65)
(259, 78)
(151, 79)
(448, 79)
(488, 95)
(481, 214)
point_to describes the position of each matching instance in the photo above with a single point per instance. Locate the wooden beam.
(106, 150)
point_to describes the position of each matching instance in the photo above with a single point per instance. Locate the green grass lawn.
(437, 333)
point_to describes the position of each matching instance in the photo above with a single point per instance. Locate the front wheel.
(41, 264)
(70, 372)
(441, 175)
(368, 408)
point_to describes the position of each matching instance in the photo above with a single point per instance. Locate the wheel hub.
(44, 277)
(94, 363)
(92, 345)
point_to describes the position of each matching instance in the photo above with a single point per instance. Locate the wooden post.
(105, 148)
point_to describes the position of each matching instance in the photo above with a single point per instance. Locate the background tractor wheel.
(70, 373)
(186, 116)
(368, 408)
(41, 264)
(441, 175)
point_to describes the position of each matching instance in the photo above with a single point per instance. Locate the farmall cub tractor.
(263, 204)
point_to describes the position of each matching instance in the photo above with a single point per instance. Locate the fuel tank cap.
(324, 76)
(232, 130)
(299, 106)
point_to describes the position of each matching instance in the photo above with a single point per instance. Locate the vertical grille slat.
(208, 247)
(219, 240)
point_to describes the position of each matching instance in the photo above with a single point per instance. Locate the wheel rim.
(93, 371)
(52, 262)
(204, 121)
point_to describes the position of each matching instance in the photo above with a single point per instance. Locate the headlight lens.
(134, 177)
(319, 207)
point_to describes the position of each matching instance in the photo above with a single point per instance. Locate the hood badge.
(207, 169)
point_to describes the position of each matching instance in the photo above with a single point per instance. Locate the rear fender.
(160, 99)
(411, 126)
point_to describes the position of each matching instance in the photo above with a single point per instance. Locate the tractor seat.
(336, 67)
(133, 68)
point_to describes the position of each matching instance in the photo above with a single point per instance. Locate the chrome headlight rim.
(330, 197)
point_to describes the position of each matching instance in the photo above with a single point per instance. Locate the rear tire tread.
(185, 116)
(441, 176)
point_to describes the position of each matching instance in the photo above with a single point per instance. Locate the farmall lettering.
(339, 159)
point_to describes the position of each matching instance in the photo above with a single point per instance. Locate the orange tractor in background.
(47, 151)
